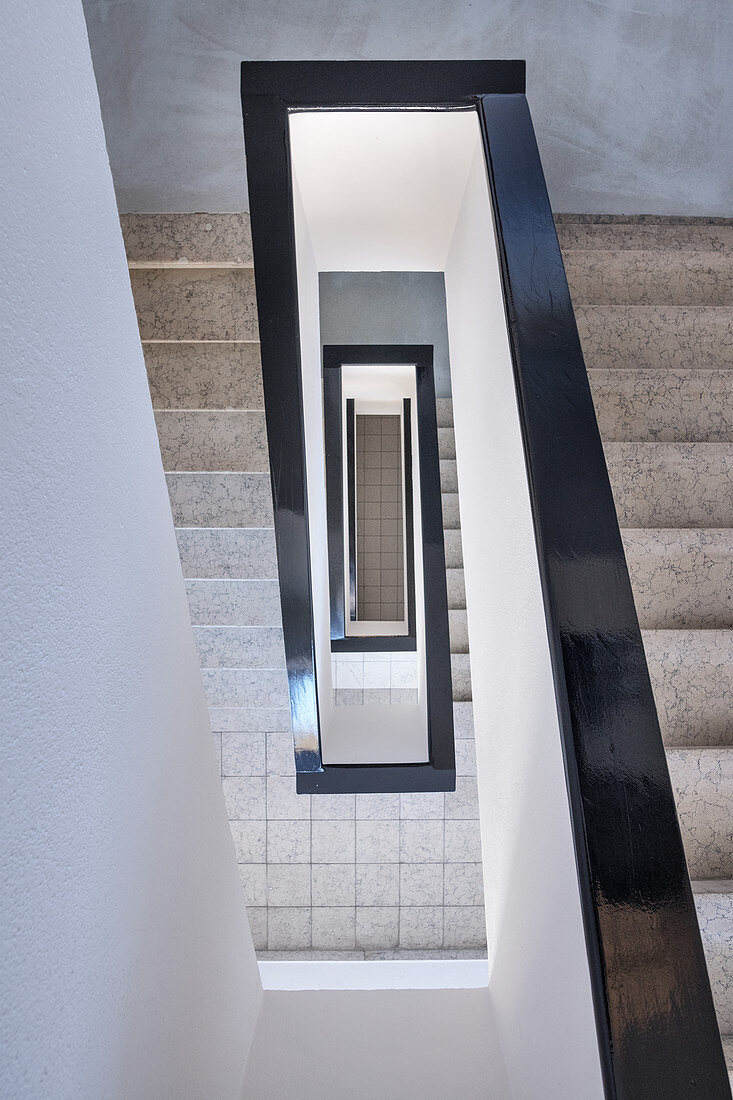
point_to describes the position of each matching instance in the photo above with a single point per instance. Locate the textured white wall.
(127, 966)
(631, 102)
(538, 969)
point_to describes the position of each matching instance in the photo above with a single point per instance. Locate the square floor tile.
(288, 929)
(377, 807)
(253, 877)
(257, 917)
(377, 841)
(462, 842)
(288, 884)
(421, 927)
(332, 841)
(464, 884)
(377, 884)
(333, 807)
(377, 927)
(288, 841)
(243, 753)
(249, 840)
(463, 802)
(333, 884)
(465, 926)
(421, 841)
(245, 797)
(421, 805)
(283, 801)
(280, 754)
(421, 884)
(334, 928)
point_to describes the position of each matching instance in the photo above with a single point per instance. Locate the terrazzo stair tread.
(234, 602)
(195, 237)
(456, 587)
(446, 443)
(208, 440)
(648, 277)
(451, 514)
(195, 304)
(692, 679)
(444, 412)
(453, 549)
(702, 781)
(460, 664)
(715, 918)
(240, 646)
(656, 337)
(458, 625)
(220, 499)
(448, 476)
(262, 688)
(681, 578)
(645, 236)
(672, 484)
(205, 375)
(676, 405)
(227, 552)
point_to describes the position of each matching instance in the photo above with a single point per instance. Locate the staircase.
(654, 302)
(327, 875)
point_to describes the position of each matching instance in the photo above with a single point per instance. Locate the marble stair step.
(446, 443)
(692, 679)
(227, 552)
(453, 549)
(456, 589)
(195, 304)
(451, 514)
(714, 905)
(665, 235)
(207, 440)
(672, 484)
(681, 578)
(206, 238)
(458, 625)
(262, 688)
(220, 499)
(649, 277)
(205, 375)
(448, 476)
(663, 406)
(702, 781)
(656, 337)
(234, 602)
(444, 412)
(460, 664)
(240, 646)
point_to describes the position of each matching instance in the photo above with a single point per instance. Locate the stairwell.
(653, 300)
(328, 875)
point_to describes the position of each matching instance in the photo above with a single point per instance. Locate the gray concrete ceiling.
(631, 98)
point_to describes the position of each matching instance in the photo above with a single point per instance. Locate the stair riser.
(461, 675)
(209, 238)
(235, 687)
(264, 720)
(453, 549)
(444, 412)
(234, 602)
(702, 780)
(692, 677)
(458, 625)
(227, 553)
(656, 337)
(446, 443)
(649, 278)
(663, 406)
(240, 647)
(456, 589)
(205, 376)
(672, 484)
(220, 499)
(451, 515)
(195, 305)
(200, 441)
(715, 916)
(640, 236)
(681, 578)
(448, 476)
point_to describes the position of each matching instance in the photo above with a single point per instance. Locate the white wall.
(538, 970)
(390, 1044)
(127, 966)
(631, 102)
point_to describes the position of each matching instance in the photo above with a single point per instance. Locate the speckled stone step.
(460, 664)
(446, 443)
(209, 238)
(458, 624)
(231, 440)
(681, 578)
(456, 589)
(692, 677)
(672, 484)
(652, 277)
(656, 337)
(714, 905)
(203, 375)
(453, 549)
(664, 406)
(448, 476)
(702, 780)
(234, 602)
(238, 687)
(195, 304)
(444, 411)
(240, 646)
(227, 552)
(451, 514)
(220, 499)
(672, 234)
